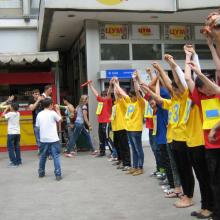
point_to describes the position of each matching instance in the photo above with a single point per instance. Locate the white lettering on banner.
(151, 32)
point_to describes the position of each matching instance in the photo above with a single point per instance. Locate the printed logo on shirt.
(130, 111)
(99, 108)
(187, 110)
(155, 125)
(175, 114)
(113, 113)
(148, 112)
(211, 112)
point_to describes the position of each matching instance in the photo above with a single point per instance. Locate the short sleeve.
(196, 97)
(99, 98)
(166, 103)
(57, 118)
(8, 115)
(84, 107)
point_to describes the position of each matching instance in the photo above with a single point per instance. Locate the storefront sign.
(114, 32)
(121, 74)
(151, 32)
(198, 33)
(177, 32)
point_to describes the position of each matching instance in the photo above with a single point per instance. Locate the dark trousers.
(184, 167)
(104, 137)
(213, 162)
(165, 163)
(155, 149)
(122, 147)
(198, 161)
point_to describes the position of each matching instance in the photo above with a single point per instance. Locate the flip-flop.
(201, 216)
(183, 206)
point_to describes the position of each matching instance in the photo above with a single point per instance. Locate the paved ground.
(91, 189)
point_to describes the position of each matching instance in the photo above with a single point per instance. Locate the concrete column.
(93, 58)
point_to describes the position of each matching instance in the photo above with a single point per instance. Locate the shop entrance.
(21, 85)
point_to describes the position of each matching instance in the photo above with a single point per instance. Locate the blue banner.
(121, 74)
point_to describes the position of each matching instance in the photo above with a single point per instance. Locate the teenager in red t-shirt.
(205, 89)
(103, 114)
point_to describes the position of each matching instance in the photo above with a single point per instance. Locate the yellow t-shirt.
(134, 114)
(195, 136)
(112, 118)
(167, 104)
(176, 107)
(118, 122)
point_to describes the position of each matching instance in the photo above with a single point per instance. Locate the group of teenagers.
(183, 116)
(182, 113)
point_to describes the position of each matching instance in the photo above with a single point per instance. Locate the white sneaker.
(68, 155)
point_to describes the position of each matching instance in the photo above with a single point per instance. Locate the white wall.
(18, 41)
(189, 4)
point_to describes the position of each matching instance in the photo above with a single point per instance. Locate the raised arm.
(119, 90)
(209, 84)
(155, 96)
(94, 91)
(173, 66)
(136, 85)
(110, 88)
(164, 76)
(188, 77)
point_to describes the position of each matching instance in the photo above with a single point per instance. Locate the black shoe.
(58, 178)
(100, 155)
(116, 163)
(41, 175)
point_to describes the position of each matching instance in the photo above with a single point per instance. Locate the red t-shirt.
(149, 121)
(196, 97)
(105, 115)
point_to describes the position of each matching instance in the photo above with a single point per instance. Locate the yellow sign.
(99, 108)
(178, 32)
(110, 2)
(114, 31)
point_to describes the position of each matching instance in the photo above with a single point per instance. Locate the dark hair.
(46, 103)
(47, 87)
(174, 84)
(15, 106)
(35, 91)
(198, 83)
(67, 98)
(103, 93)
(132, 93)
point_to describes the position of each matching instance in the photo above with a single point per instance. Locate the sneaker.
(100, 155)
(131, 171)
(138, 172)
(154, 174)
(11, 165)
(112, 159)
(126, 168)
(94, 153)
(68, 155)
(116, 163)
(120, 166)
(58, 178)
(41, 175)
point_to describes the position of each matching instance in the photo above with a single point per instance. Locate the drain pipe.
(26, 6)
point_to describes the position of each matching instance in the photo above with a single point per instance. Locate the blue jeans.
(77, 130)
(54, 148)
(137, 149)
(155, 149)
(13, 144)
(37, 136)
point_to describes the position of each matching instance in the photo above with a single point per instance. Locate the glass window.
(10, 4)
(176, 50)
(146, 51)
(114, 52)
(203, 51)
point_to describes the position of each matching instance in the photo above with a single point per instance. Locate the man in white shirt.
(47, 122)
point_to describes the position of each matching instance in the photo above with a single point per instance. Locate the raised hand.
(194, 67)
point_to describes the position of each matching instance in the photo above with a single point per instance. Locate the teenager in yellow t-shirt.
(119, 128)
(177, 105)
